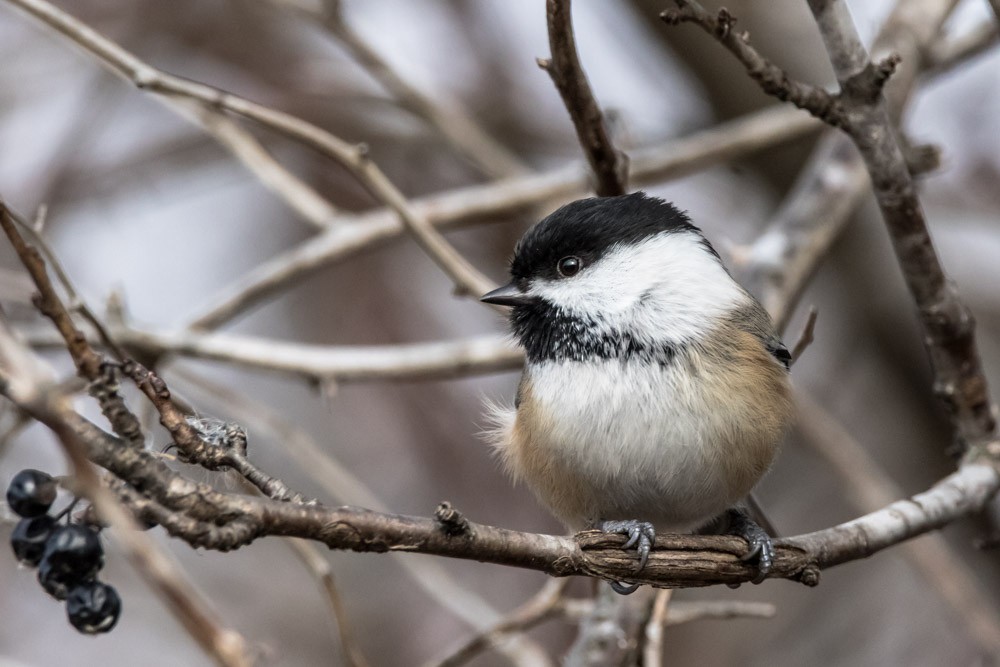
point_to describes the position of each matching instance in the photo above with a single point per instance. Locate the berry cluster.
(68, 555)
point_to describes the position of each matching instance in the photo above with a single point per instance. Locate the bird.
(655, 391)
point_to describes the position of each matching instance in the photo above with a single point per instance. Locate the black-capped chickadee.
(655, 391)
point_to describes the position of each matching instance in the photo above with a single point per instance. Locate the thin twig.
(686, 612)
(453, 123)
(868, 488)
(806, 337)
(354, 158)
(542, 605)
(610, 166)
(337, 363)
(652, 652)
(320, 568)
(29, 388)
(299, 195)
(502, 200)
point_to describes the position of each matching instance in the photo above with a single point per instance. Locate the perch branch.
(222, 521)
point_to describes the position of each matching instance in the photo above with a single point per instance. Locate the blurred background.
(146, 205)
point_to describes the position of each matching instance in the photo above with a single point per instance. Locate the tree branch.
(609, 165)
(321, 363)
(454, 124)
(948, 324)
(212, 519)
(28, 387)
(503, 199)
(354, 158)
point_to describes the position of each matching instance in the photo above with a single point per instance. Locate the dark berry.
(93, 607)
(55, 582)
(31, 493)
(29, 538)
(73, 555)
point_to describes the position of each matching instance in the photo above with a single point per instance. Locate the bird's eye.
(569, 266)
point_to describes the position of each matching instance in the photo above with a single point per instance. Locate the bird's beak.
(508, 295)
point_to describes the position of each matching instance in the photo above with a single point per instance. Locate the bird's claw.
(641, 535)
(623, 589)
(761, 548)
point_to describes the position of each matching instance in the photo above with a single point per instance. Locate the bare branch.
(806, 337)
(948, 324)
(320, 568)
(652, 652)
(453, 123)
(772, 79)
(686, 612)
(465, 206)
(342, 364)
(542, 605)
(868, 488)
(468, 281)
(299, 196)
(30, 390)
(609, 165)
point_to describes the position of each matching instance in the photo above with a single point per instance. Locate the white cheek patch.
(665, 288)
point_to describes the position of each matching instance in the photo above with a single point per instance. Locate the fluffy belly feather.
(673, 445)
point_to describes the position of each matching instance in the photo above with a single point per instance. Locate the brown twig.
(354, 158)
(457, 128)
(503, 199)
(806, 336)
(340, 364)
(652, 651)
(542, 605)
(948, 324)
(869, 487)
(772, 79)
(28, 387)
(610, 166)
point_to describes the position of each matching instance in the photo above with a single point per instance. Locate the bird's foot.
(641, 535)
(761, 548)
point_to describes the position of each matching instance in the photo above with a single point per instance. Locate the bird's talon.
(641, 535)
(623, 589)
(761, 549)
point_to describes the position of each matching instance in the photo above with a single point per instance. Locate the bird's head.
(608, 275)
